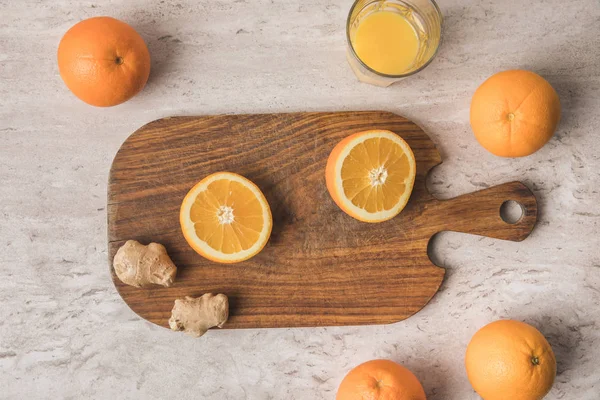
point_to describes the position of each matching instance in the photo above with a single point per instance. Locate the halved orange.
(370, 175)
(226, 218)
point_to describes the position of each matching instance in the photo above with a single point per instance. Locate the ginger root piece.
(195, 316)
(143, 266)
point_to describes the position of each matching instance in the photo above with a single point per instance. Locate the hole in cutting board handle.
(512, 211)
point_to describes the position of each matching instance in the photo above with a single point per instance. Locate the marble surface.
(66, 334)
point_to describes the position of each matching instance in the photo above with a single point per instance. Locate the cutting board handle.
(478, 213)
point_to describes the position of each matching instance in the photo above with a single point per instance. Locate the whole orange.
(514, 113)
(510, 360)
(380, 380)
(103, 61)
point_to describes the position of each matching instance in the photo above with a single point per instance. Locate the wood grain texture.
(320, 267)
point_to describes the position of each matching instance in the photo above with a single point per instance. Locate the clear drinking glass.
(424, 16)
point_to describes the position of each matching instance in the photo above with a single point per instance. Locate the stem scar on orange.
(510, 360)
(103, 61)
(514, 113)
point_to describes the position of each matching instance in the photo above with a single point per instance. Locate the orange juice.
(386, 42)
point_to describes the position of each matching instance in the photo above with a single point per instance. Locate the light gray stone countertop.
(66, 334)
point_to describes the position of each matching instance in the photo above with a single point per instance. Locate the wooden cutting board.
(320, 267)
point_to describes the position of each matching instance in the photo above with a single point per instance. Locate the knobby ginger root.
(143, 266)
(195, 316)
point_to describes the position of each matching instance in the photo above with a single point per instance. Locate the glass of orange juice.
(389, 40)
